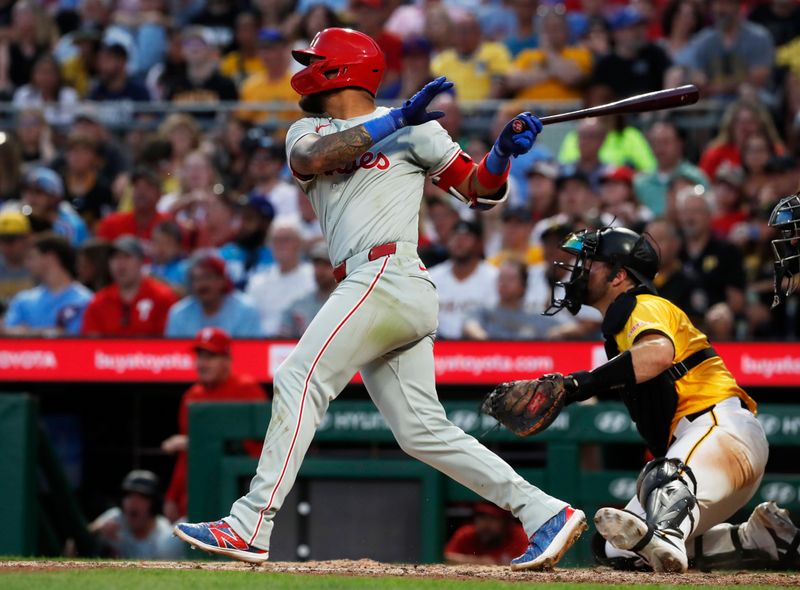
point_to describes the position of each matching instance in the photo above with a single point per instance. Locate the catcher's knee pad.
(666, 490)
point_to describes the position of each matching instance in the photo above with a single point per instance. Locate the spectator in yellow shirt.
(274, 83)
(243, 61)
(477, 67)
(516, 238)
(554, 71)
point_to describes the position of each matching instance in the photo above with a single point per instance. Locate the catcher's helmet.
(617, 246)
(348, 59)
(785, 219)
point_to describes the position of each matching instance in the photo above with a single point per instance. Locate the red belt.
(340, 271)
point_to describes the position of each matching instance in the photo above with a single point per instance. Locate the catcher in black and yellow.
(710, 449)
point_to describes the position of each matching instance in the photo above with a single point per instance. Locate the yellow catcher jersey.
(702, 387)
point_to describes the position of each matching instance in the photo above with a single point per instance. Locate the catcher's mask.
(616, 246)
(785, 219)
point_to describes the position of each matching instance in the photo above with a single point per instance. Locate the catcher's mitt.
(527, 407)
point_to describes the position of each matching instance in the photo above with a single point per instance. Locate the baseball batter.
(710, 450)
(363, 169)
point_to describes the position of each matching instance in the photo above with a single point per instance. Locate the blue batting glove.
(519, 135)
(413, 110)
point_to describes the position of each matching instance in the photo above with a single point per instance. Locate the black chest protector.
(651, 404)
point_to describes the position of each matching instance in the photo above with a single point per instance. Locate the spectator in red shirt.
(134, 304)
(216, 383)
(494, 538)
(143, 218)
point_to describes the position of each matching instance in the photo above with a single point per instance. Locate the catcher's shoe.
(549, 544)
(771, 529)
(625, 530)
(219, 538)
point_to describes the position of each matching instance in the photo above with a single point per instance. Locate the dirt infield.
(456, 572)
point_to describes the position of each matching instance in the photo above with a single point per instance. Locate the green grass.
(132, 579)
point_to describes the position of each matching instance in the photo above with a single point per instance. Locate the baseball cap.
(557, 230)
(260, 204)
(544, 168)
(626, 17)
(201, 34)
(319, 251)
(468, 227)
(14, 223)
(128, 245)
(115, 47)
(517, 213)
(146, 173)
(141, 481)
(731, 175)
(617, 174)
(45, 180)
(213, 340)
(574, 174)
(271, 37)
(213, 262)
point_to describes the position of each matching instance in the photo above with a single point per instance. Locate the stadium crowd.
(119, 221)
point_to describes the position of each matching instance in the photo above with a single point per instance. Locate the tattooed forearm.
(331, 151)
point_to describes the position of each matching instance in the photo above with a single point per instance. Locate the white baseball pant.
(380, 320)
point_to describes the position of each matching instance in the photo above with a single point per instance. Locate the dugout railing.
(218, 474)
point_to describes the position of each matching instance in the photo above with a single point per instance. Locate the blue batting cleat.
(549, 544)
(219, 538)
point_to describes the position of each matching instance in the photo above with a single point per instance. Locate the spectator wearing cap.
(136, 529)
(493, 538)
(370, 18)
(715, 263)
(273, 290)
(667, 142)
(672, 281)
(216, 382)
(273, 83)
(636, 65)
(248, 253)
(510, 318)
(113, 81)
(263, 172)
(618, 201)
(540, 184)
(244, 60)
(576, 203)
(555, 70)
(134, 304)
(212, 303)
(85, 187)
(57, 305)
(416, 66)
(15, 242)
(516, 238)
(464, 282)
(476, 67)
(167, 259)
(200, 81)
(47, 91)
(729, 201)
(144, 216)
(300, 313)
(42, 198)
(731, 53)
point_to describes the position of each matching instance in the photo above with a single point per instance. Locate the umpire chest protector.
(651, 404)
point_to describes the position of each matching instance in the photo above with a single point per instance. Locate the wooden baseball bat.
(641, 103)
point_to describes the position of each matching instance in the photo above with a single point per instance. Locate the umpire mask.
(583, 245)
(785, 220)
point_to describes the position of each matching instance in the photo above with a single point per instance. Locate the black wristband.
(614, 375)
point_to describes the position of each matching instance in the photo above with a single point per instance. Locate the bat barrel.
(641, 103)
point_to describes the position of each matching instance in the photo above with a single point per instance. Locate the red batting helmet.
(349, 58)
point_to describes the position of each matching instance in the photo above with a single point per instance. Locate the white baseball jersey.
(457, 299)
(376, 199)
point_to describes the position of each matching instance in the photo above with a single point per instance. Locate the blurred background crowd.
(144, 189)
